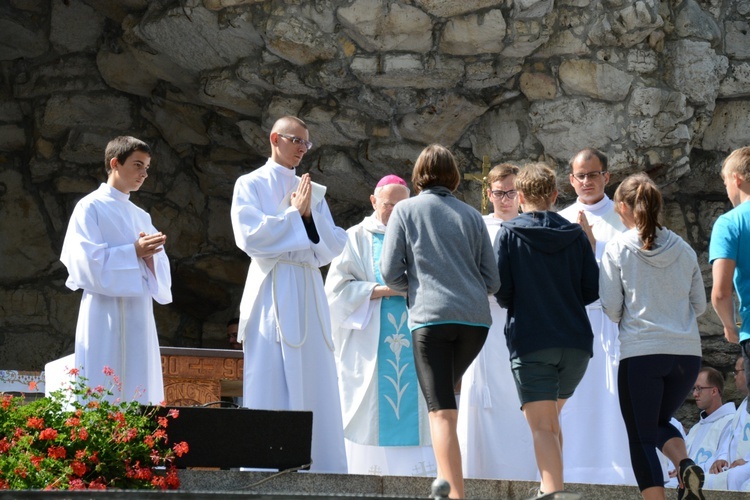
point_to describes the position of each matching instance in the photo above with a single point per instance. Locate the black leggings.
(442, 353)
(651, 389)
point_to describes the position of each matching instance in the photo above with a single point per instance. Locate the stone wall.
(661, 86)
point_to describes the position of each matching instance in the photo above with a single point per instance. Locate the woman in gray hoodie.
(651, 285)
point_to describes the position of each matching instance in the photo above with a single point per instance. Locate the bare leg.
(544, 422)
(654, 493)
(447, 450)
(675, 450)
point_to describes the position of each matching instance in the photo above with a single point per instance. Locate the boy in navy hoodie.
(548, 273)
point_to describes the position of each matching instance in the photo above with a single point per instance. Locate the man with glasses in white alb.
(714, 424)
(283, 223)
(594, 409)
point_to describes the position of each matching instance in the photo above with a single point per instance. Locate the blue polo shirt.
(730, 239)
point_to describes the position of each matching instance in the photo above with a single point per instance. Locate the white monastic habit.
(495, 439)
(736, 445)
(116, 326)
(704, 437)
(284, 317)
(386, 434)
(594, 409)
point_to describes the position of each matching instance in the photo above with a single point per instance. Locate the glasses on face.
(504, 194)
(698, 388)
(591, 176)
(738, 371)
(298, 140)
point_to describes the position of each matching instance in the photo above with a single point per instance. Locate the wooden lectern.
(193, 377)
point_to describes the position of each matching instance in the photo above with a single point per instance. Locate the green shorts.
(549, 374)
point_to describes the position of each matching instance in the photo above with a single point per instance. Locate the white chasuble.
(385, 416)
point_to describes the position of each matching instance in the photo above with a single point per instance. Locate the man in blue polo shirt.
(729, 253)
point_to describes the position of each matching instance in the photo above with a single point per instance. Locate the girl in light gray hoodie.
(651, 285)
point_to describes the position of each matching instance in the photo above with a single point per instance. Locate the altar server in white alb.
(495, 439)
(594, 410)
(283, 223)
(114, 253)
(386, 426)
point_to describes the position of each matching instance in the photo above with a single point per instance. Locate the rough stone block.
(21, 39)
(474, 34)
(91, 110)
(729, 128)
(696, 69)
(74, 27)
(441, 8)
(377, 26)
(538, 86)
(600, 81)
(443, 122)
(194, 39)
(12, 137)
(737, 81)
(737, 39)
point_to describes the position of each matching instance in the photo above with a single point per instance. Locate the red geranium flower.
(181, 448)
(56, 452)
(48, 434)
(35, 423)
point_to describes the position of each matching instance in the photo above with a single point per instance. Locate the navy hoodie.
(548, 274)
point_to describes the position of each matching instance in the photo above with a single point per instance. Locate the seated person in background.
(704, 437)
(732, 465)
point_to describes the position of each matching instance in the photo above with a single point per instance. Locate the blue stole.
(398, 389)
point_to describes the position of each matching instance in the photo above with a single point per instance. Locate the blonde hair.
(738, 163)
(538, 184)
(500, 172)
(643, 197)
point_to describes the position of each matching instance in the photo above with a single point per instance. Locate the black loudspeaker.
(241, 437)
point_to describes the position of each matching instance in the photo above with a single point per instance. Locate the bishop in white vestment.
(116, 329)
(385, 416)
(283, 223)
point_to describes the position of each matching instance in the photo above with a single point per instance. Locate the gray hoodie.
(655, 295)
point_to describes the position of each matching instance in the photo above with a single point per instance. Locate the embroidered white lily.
(397, 341)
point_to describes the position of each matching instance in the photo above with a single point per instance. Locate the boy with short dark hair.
(114, 253)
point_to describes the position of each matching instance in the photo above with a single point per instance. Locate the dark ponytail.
(643, 197)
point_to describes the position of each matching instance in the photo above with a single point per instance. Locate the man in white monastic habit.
(594, 409)
(715, 421)
(114, 253)
(283, 223)
(495, 439)
(731, 469)
(386, 426)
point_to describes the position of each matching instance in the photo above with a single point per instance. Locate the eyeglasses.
(298, 140)
(591, 175)
(511, 195)
(738, 371)
(698, 388)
